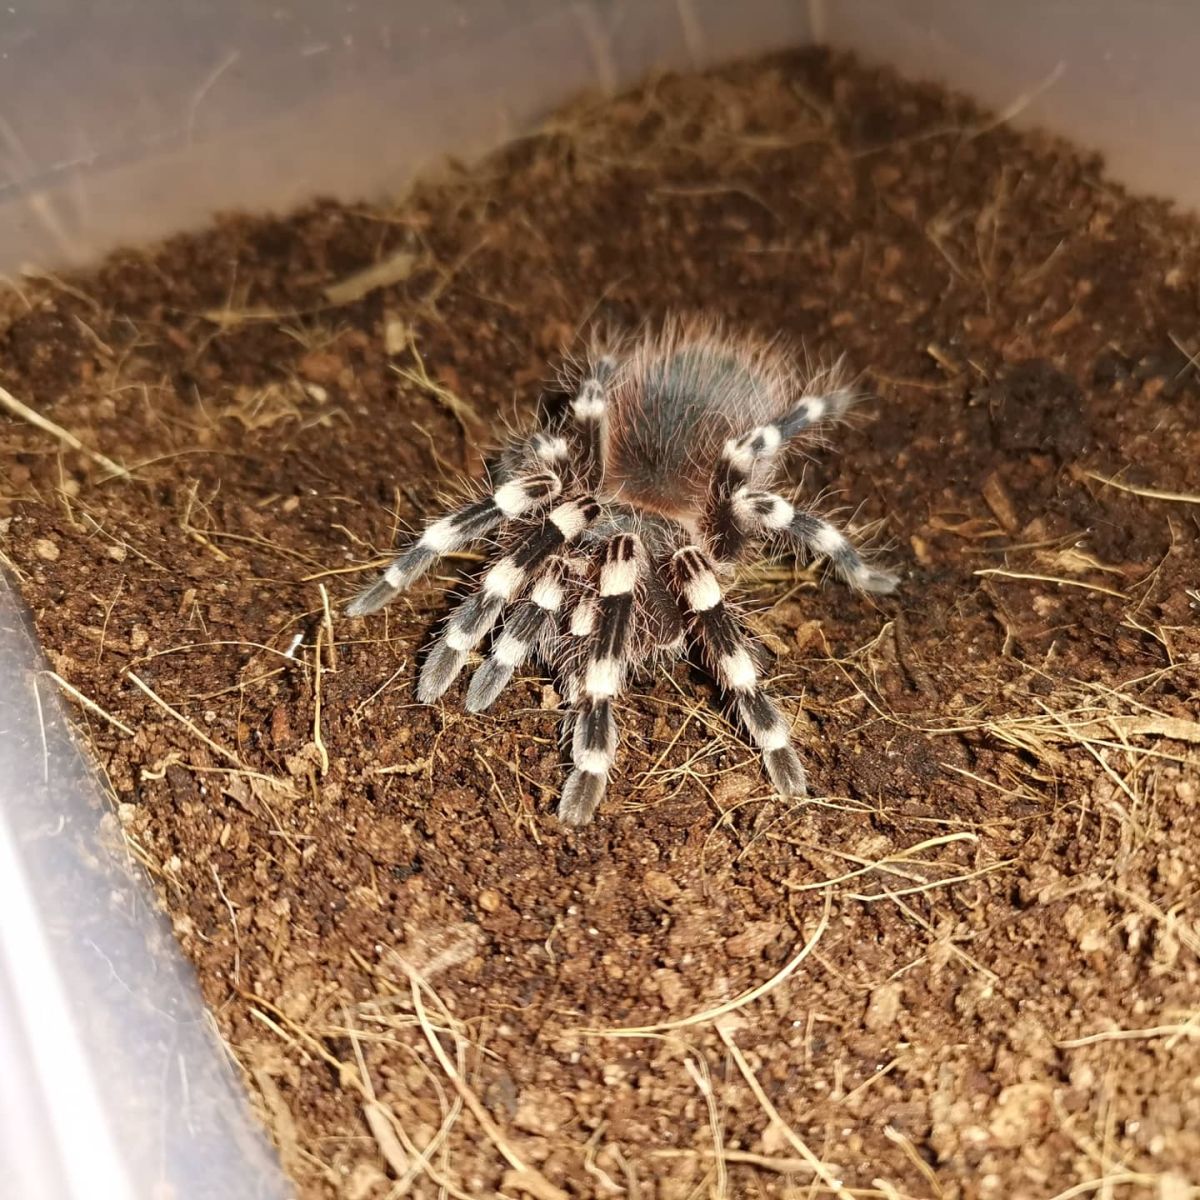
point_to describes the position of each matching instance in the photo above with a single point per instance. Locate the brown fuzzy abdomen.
(670, 417)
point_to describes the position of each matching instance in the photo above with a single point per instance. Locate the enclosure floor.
(994, 890)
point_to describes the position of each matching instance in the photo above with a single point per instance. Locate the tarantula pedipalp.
(613, 527)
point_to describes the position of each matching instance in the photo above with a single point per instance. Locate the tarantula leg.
(765, 512)
(601, 677)
(503, 583)
(550, 450)
(583, 618)
(528, 624)
(589, 410)
(662, 612)
(726, 651)
(826, 398)
(518, 496)
(743, 456)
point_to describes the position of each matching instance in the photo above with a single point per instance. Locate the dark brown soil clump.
(997, 882)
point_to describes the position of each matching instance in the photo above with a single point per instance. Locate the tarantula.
(615, 524)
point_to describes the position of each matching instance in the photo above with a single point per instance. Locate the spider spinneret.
(614, 525)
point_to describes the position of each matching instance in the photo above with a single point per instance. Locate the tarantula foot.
(879, 582)
(786, 771)
(486, 684)
(439, 672)
(580, 799)
(373, 598)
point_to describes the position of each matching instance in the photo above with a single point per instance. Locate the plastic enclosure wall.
(125, 120)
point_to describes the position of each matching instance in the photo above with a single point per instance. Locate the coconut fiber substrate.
(966, 966)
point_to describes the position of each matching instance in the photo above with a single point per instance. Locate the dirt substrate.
(975, 951)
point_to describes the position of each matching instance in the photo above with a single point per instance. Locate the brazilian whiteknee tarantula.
(614, 527)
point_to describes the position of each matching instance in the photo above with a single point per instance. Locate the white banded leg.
(528, 624)
(580, 623)
(767, 513)
(726, 652)
(589, 413)
(600, 678)
(502, 584)
(745, 455)
(665, 621)
(517, 497)
(549, 450)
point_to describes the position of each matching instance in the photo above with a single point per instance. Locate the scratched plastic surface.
(125, 120)
(112, 1083)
